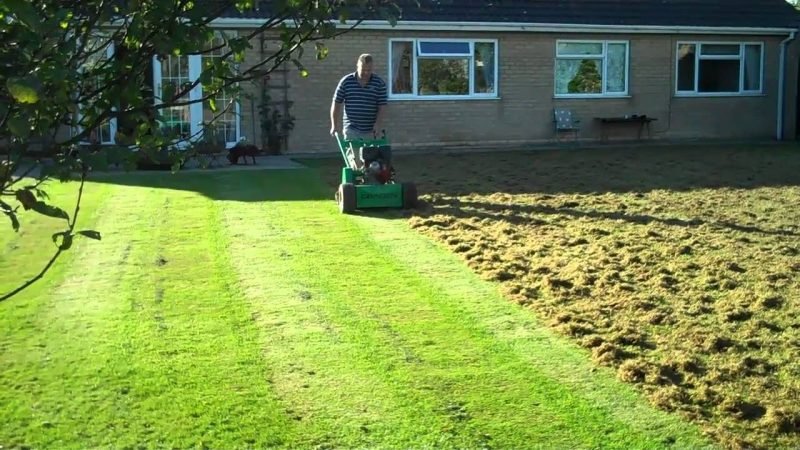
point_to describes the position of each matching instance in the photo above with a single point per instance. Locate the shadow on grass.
(601, 169)
(523, 214)
(581, 171)
(242, 186)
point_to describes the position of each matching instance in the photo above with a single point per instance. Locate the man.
(362, 96)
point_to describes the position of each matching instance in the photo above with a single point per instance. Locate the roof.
(689, 13)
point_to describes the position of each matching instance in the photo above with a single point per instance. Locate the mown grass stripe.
(513, 334)
(149, 337)
(323, 366)
(392, 322)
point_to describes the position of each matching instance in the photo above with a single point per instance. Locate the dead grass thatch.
(677, 266)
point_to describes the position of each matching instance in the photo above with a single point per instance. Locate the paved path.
(262, 162)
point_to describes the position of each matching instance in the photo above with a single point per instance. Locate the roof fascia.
(234, 22)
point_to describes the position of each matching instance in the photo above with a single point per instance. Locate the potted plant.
(275, 126)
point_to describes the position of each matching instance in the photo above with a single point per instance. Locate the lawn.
(677, 267)
(239, 309)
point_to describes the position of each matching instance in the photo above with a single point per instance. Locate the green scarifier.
(374, 184)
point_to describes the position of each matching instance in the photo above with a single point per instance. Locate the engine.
(377, 164)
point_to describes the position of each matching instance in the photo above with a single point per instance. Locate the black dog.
(243, 151)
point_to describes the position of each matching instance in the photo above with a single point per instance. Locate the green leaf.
(212, 104)
(49, 210)
(206, 75)
(24, 11)
(322, 51)
(91, 234)
(25, 89)
(168, 92)
(19, 127)
(26, 198)
(66, 239)
(243, 5)
(7, 210)
(303, 71)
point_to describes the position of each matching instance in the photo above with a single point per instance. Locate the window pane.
(448, 48)
(484, 67)
(174, 79)
(616, 68)
(719, 49)
(98, 49)
(579, 48)
(752, 68)
(401, 68)
(686, 63)
(575, 76)
(220, 125)
(105, 133)
(719, 75)
(443, 77)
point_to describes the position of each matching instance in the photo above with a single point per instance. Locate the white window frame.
(415, 72)
(112, 122)
(604, 57)
(195, 109)
(699, 56)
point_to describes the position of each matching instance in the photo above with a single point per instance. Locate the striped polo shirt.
(360, 103)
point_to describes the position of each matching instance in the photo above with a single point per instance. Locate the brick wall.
(523, 113)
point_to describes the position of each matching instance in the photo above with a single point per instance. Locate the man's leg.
(355, 134)
(350, 134)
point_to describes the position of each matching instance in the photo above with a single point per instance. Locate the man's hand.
(334, 130)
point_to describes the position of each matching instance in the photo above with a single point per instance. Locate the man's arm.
(336, 117)
(336, 107)
(381, 116)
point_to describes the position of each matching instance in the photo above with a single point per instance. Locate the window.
(223, 117)
(436, 68)
(99, 50)
(591, 68)
(719, 68)
(175, 73)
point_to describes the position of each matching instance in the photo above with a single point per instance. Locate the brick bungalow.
(463, 73)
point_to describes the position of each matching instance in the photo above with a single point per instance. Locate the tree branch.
(58, 252)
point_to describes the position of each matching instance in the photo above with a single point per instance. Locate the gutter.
(407, 25)
(781, 82)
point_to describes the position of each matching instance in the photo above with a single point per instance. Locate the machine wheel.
(409, 195)
(346, 198)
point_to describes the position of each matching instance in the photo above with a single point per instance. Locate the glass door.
(173, 75)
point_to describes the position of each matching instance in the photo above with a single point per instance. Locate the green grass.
(241, 308)
(677, 267)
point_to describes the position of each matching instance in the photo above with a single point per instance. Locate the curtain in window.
(615, 68)
(401, 67)
(752, 68)
(485, 53)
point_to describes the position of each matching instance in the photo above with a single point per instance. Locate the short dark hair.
(365, 58)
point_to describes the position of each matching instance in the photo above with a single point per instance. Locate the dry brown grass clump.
(677, 266)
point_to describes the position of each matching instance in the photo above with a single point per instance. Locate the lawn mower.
(371, 184)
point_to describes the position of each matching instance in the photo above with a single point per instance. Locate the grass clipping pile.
(680, 268)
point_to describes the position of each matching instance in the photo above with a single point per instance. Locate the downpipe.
(781, 83)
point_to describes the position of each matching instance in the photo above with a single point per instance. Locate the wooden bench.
(643, 121)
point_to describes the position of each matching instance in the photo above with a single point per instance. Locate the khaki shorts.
(353, 153)
(350, 134)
